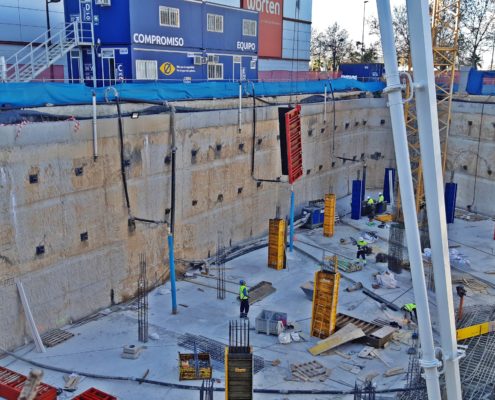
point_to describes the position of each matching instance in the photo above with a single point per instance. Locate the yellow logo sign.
(167, 68)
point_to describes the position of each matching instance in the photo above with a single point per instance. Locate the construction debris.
(71, 382)
(346, 334)
(386, 280)
(259, 291)
(131, 352)
(309, 372)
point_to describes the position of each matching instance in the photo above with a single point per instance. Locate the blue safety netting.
(35, 94)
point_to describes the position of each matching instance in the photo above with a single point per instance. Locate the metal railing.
(45, 50)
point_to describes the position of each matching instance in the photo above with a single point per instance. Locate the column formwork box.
(329, 215)
(276, 244)
(325, 299)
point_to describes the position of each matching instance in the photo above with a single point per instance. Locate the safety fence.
(38, 94)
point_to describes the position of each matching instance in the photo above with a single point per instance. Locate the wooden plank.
(384, 332)
(346, 334)
(29, 316)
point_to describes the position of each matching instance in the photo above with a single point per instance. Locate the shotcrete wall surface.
(215, 193)
(471, 155)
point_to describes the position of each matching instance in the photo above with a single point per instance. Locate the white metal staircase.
(45, 50)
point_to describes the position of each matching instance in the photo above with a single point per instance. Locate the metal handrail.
(34, 57)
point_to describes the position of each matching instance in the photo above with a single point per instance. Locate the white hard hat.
(368, 197)
(361, 238)
(379, 194)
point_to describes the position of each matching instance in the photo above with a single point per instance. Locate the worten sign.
(270, 25)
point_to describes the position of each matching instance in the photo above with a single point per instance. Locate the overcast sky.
(348, 13)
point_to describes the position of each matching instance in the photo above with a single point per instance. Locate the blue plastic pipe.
(291, 231)
(172, 272)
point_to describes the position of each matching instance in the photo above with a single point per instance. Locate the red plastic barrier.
(11, 384)
(94, 394)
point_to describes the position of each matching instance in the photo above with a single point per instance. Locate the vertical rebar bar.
(142, 300)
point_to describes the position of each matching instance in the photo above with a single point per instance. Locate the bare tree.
(400, 25)
(318, 51)
(338, 44)
(477, 27)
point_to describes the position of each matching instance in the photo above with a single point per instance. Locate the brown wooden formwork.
(368, 328)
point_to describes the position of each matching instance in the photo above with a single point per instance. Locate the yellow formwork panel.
(329, 215)
(475, 330)
(276, 244)
(325, 300)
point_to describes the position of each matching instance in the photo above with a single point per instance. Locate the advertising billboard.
(270, 25)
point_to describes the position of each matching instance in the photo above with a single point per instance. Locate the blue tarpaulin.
(476, 85)
(35, 94)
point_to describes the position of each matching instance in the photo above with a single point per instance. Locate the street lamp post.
(49, 35)
(362, 37)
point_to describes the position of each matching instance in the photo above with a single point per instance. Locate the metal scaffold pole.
(291, 230)
(429, 138)
(395, 103)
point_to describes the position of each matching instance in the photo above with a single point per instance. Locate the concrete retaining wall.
(471, 155)
(215, 192)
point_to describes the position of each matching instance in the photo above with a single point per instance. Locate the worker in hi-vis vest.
(361, 249)
(371, 208)
(243, 295)
(411, 309)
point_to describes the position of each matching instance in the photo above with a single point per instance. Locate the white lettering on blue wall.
(157, 39)
(266, 6)
(246, 46)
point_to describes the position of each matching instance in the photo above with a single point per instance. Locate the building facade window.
(214, 23)
(248, 27)
(169, 16)
(215, 71)
(147, 70)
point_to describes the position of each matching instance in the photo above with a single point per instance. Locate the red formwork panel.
(11, 384)
(94, 394)
(294, 143)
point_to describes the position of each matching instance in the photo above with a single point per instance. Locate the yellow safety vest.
(362, 243)
(371, 202)
(381, 199)
(242, 296)
(410, 307)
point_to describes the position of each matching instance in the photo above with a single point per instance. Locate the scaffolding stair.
(46, 50)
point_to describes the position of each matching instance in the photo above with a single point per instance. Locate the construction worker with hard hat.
(244, 297)
(371, 208)
(361, 249)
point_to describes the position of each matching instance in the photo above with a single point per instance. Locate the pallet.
(325, 299)
(308, 372)
(94, 394)
(55, 336)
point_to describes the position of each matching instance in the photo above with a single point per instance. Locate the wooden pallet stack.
(329, 216)
(325, 299)
(276, 244)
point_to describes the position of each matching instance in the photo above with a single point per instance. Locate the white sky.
(348, 13)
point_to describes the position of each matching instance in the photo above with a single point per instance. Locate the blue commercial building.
(176, 40)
